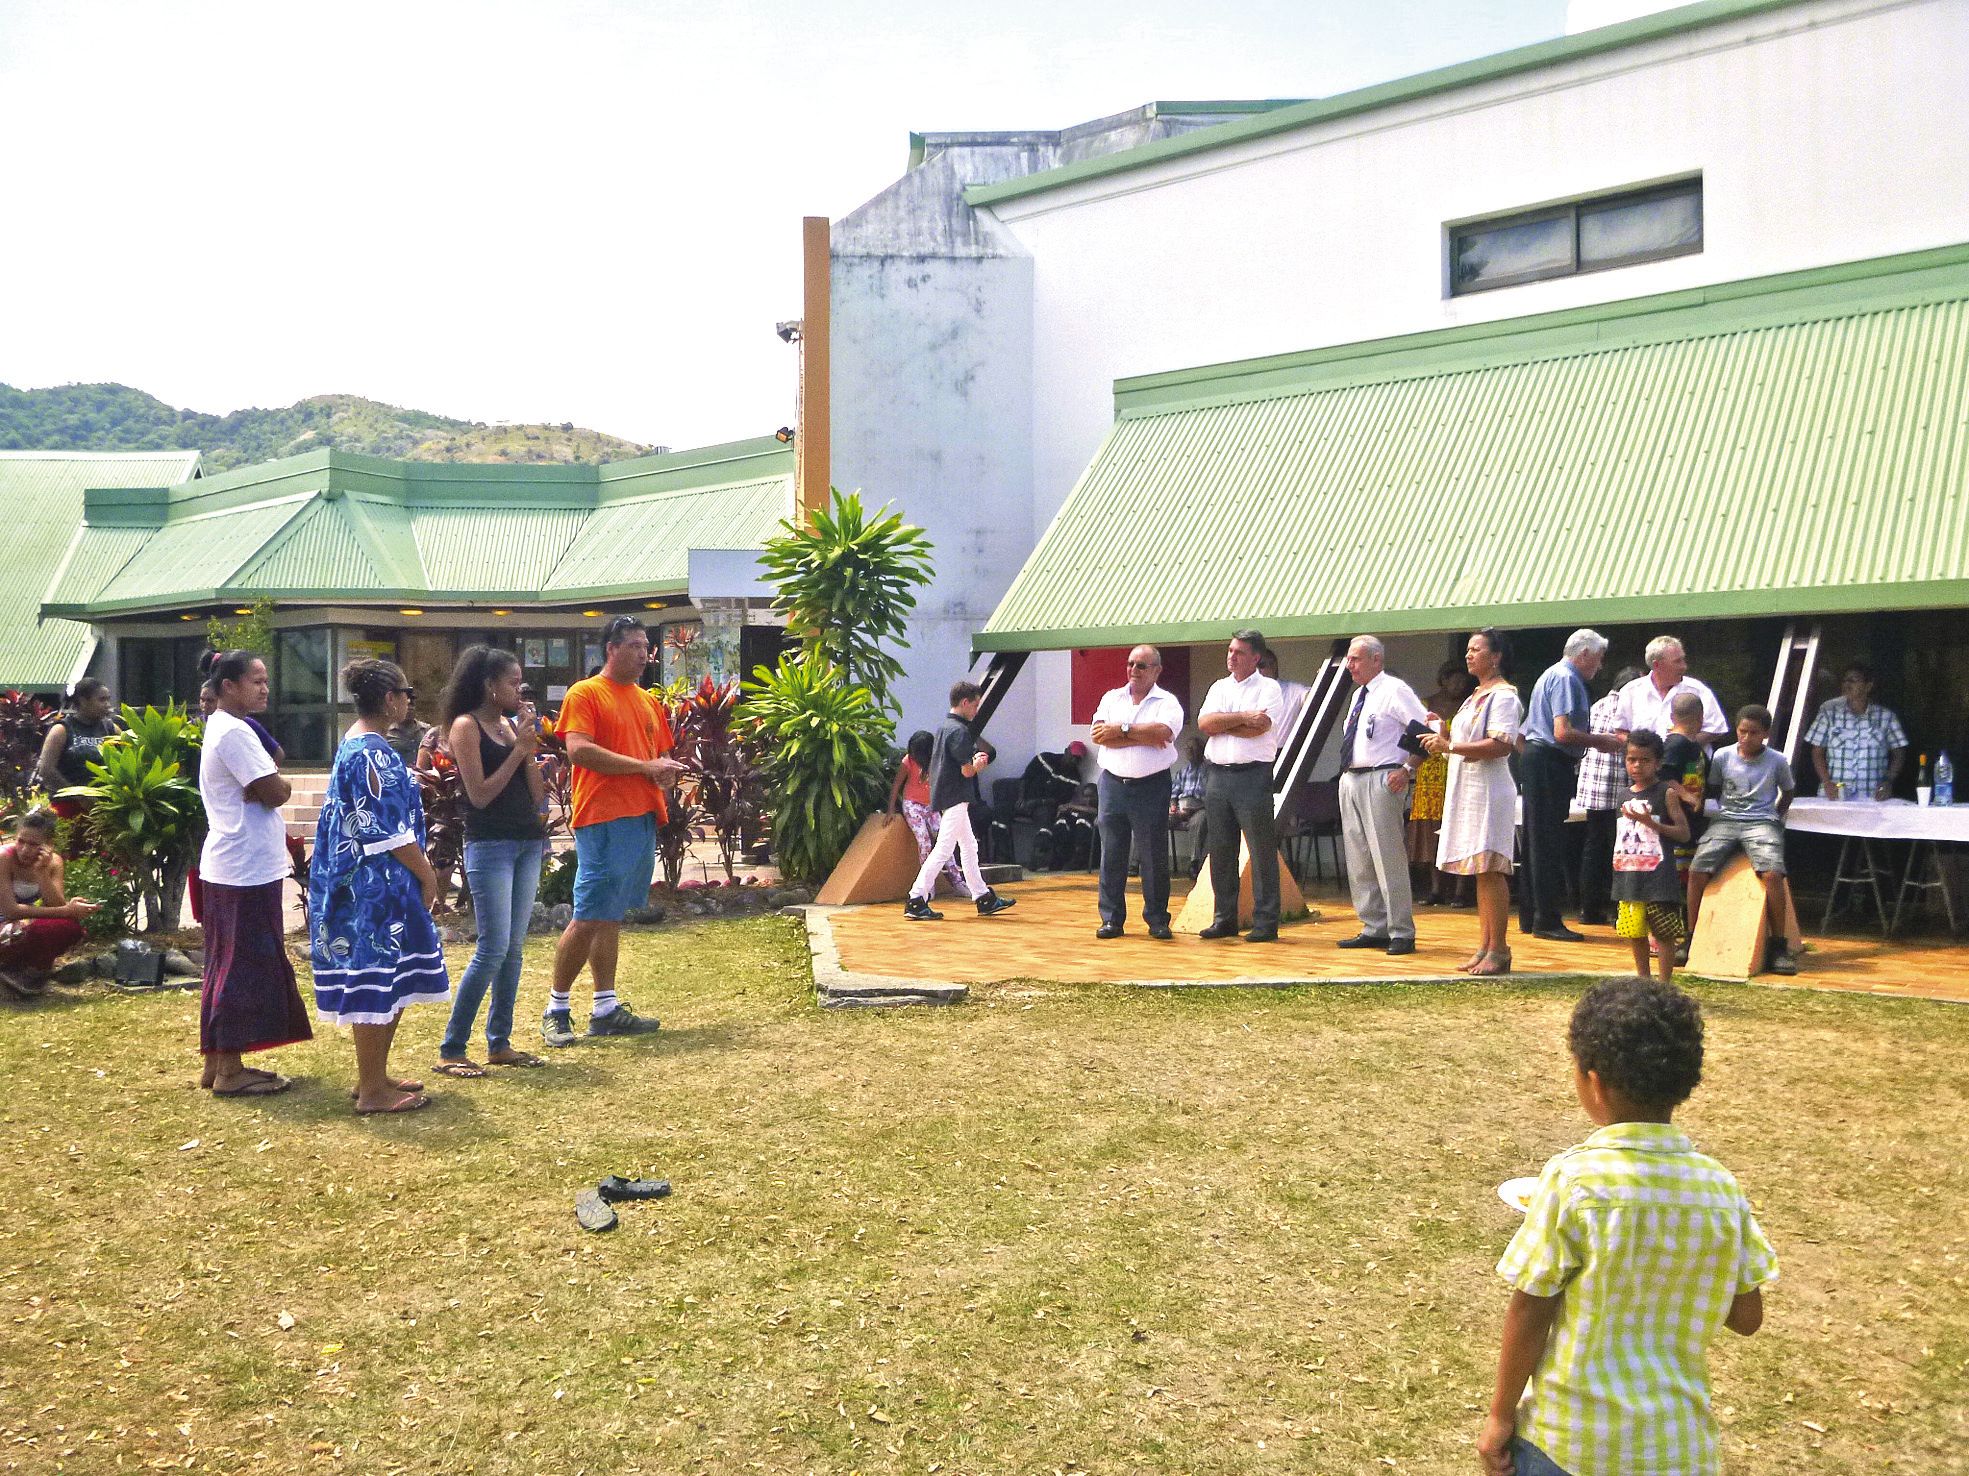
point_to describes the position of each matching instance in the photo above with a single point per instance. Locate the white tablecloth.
(1895, 819)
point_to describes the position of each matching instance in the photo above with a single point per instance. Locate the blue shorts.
(614, 864)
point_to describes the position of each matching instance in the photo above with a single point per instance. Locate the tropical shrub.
(145, 816)
(823, 740)
(443, 793)
(728, 791)
(557, 880)
(24, 724)
(846, 584)
(102, 881)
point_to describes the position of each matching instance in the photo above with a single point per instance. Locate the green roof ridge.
(1383, 94)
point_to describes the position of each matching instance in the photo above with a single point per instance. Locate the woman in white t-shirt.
(250, 1001)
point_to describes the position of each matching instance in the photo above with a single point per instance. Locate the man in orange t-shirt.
(617, 739)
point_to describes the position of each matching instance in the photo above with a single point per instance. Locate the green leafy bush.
(557, 880)
(846, 584)
(145, 815)
(102, 880)
(823, 741)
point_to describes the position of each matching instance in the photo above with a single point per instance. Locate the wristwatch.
(1126, 728)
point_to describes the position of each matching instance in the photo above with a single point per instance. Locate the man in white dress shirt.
(1374, 775)
(1134, 734)
(1242, 719)
(1645, 701)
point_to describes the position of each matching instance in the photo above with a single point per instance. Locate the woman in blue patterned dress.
(370, 891)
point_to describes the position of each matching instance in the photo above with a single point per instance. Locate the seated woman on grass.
(41, 921)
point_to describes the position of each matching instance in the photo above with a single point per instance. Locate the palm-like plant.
(718, 766)
(824, 741)
(846, 585)
(144, 810)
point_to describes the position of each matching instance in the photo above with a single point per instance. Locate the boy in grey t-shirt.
(1753, 786)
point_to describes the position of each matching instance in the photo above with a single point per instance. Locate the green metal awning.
(1790, 445)
(335, 527)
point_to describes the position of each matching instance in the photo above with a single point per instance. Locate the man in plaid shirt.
(1635, 1252)
(1857, 745)
(1600, 791)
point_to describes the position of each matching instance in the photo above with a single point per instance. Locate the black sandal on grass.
(615, 1188)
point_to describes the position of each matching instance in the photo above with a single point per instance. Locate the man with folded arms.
(1242, 718)
(1374, 775)
(1134, 734)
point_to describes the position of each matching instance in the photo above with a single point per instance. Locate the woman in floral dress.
(370, 891)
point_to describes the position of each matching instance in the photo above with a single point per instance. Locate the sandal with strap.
(1494, 963)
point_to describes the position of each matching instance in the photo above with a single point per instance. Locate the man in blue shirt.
(1557, 730)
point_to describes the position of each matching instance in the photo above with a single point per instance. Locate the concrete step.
(1000, 874)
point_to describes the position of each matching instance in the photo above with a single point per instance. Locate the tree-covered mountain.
(114, 417)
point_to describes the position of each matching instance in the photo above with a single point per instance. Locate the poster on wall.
(535, 654)
(372, 650)
(557, 653)
(591, 656)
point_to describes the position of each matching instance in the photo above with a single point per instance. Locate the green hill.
(114, 417)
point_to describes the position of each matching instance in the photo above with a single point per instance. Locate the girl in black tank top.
(512, 814)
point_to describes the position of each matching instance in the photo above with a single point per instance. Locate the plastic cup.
(1923, 793)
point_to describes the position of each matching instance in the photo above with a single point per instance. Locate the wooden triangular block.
(880, 865)
(1734, 928)
(1200, 907)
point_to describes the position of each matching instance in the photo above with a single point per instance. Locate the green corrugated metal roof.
(334, 526)
(646, 543)
(1796, 445)
(42, 494)
(321, 550)
(1503, 64)
(457, 544)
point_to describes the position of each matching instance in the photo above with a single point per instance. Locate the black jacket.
(956, 746)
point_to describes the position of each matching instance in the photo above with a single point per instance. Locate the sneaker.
(622, 1021)
(556, 1029)
(991, 902)
(1681, 955)
(1783, 961)
(917, 909)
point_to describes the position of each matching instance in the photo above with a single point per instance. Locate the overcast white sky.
(581, 211)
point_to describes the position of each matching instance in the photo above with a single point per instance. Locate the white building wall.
(933, 387)
(1824, 133)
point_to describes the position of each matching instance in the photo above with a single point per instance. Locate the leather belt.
(1375, 768)
(1138, 779)
(1240, 768)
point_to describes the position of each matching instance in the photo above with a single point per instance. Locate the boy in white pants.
(955, 763)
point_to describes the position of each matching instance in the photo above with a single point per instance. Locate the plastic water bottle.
(1944, 779)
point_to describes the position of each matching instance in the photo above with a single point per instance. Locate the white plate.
(1517, 1192)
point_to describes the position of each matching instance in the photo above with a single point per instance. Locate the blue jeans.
(1531, 1461)
(504, 875)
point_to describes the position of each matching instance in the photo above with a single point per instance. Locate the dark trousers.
(1141, 810)
(1238, 802)
(1596, 864)
(1548, 775)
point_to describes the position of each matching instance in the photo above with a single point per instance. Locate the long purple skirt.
(251, 1002)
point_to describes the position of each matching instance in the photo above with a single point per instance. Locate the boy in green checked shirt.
(1635, 1250)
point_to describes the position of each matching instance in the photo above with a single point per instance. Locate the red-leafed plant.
(24, 724)
(727, 787)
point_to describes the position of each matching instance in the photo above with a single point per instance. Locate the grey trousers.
(1141, 811)
(1377, 861)
(1238, 802)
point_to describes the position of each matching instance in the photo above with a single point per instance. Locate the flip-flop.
(520, 1059)
(463, 1070)
(261, 1086)
(405, 1085)
(412, 1102)
(615, 1188)
(593, 1211)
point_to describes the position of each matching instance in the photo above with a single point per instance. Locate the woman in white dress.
(1480, 801)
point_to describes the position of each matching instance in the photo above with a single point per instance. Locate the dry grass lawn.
(1059, 1229)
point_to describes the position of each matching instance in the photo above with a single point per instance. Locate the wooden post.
(813, 434)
